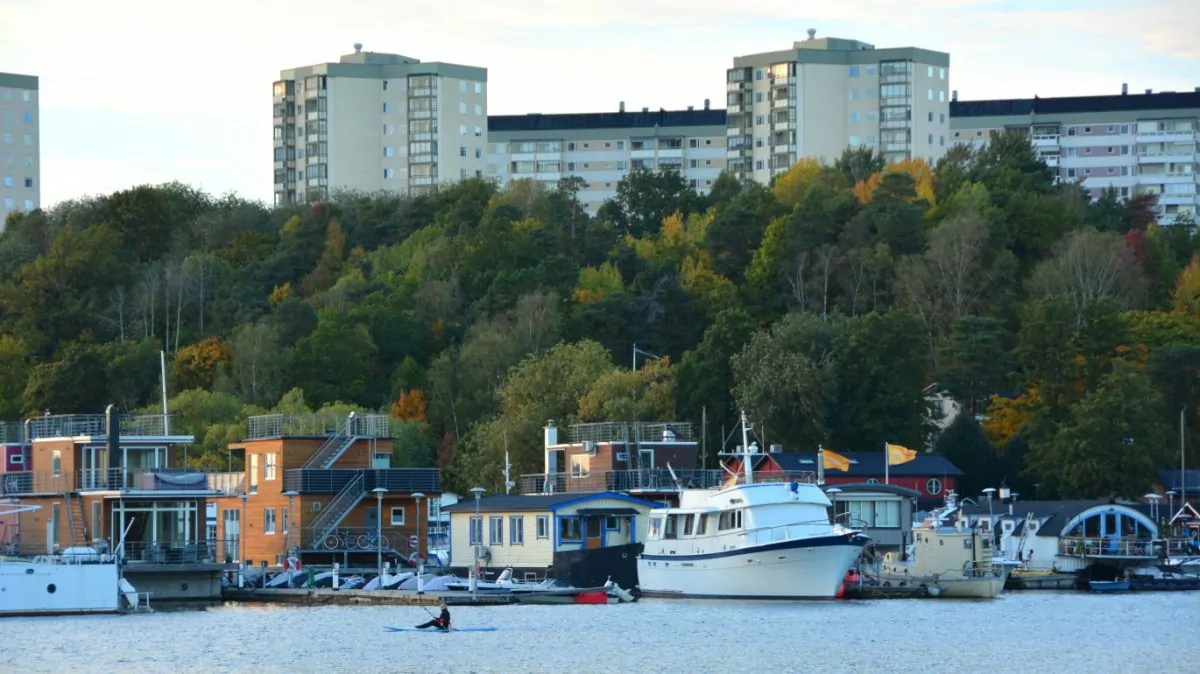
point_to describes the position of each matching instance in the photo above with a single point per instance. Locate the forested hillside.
(829, 305)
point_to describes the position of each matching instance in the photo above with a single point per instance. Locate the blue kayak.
(434, 629)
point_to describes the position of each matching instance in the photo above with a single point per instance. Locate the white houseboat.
(771, 540)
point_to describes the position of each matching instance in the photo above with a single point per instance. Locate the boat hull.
(800, 569)
(988, 587)
(41, 588)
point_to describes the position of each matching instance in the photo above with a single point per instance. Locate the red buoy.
(591, 598)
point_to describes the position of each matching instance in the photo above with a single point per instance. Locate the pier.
(331, 597)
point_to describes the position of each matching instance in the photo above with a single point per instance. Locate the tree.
(974, 361)
(14, 363)
(1089, 266)
(645, 197)
(964, 444)
(1186, 297)
(410, 406)
(196, 365)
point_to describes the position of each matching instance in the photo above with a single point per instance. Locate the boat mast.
(746, 450)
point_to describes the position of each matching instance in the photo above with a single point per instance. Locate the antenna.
(357, 47)
(746, 450)
(508, 483)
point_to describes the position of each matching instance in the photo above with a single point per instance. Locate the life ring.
(292, 563)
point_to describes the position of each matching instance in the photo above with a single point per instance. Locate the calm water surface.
(1020, 632)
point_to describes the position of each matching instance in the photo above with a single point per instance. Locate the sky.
(152, 91)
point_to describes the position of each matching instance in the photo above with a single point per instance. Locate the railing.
(92, 425)
(1077, 546)
(401, 539)
(332, 514)
(12, 432)
(170, 552)
(331, 481)
(616, 431)
(316, 425)
(113, 479)
(620, 480)
(230, 484)
(332, 448)
(738, 539)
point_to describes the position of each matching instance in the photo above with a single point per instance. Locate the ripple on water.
(1019, 632)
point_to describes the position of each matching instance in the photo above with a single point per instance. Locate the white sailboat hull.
(798, 569)
(30, 588)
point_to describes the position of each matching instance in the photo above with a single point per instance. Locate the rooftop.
(527, 502)
(1166, 100)
(366, 425)
(867, 464)
(606, 120)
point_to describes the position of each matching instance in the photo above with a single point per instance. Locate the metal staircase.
(335, 511)
(334, 446)
(76, 527)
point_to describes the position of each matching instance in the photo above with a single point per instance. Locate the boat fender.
(933, 591)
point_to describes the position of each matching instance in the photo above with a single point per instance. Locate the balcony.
(781, 149)
(653, 479)
(733, 109)
(1168, 178)
(1167, 136)
(781, 126)
(735, 131)
(779, 103)
(317, 425)
(1168, 156)
(1045, 140)
(91, 426)
(395, 540)
(12, 432)
(146, 482)
(1119, 548)
(737, 86)
(1175, 199)
(332, 481)
(738, 153)
(170, 552)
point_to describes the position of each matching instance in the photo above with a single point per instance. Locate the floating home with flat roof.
(1132, 143)
(601, 148)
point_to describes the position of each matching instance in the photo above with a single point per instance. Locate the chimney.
(708, 103)
(646, 109)
(954, 95)
(112, 435)
(812, 33)
(622, 106)
(1149, 91)
(690, 108)
(1124, 88)
(551, 434)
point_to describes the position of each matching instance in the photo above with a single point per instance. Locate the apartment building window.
(479, 87)
(1124, 170)
(758, 97)
(387, 107)
(387, 174)
(8, 203)
(462, 151)
(269, 467)
(516, 530)
(941, 73)
(495, 531)
(620, 145)
(870, 139)
(478, 110)
(853, 116)
(931, 94)
(397, 516)
(462, 129)
(253, 473)
(570, 147)
(873, 116)
(387, 150)
(693, 163)
(387, 129)
(8, 181)
(543, 526)
(693, 143)
(479, 153)
(479, 132)
(758, 142)
(942, 118)
(854, 141)
(462, 108)
(941, 95)
(29, 204)
(27, 117)
(758, 74)
(268, 521)
(931, 139)
(462, 86)
(621, 165)
(854, 94)
(1124, 129)
(385, 85)
(942, 141)
(476, 534)
(758, 165)
(758, 120)
(930, 71)
(854, 71)
(1070, 173)
(462, 174)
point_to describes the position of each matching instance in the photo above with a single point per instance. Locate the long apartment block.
(1133, 143)
(20, 164)
(373, 122)
(825, 94)
(602, 148)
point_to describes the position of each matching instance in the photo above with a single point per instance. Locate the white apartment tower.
(826, 94)
(20, 165)
(377, 122)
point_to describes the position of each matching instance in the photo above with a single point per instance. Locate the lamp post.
(1153, 499)
(990, 491)
(379, 492)
(1171, 504)
(287, 538)
(420, 562)
(478, 492)
(242, 526)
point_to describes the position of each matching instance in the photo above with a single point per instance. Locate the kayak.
(434, 629)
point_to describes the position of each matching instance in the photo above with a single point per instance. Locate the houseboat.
(77, 581)
(747, 540)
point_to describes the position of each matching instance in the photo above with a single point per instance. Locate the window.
(387, 107)
(387, 150)
(397, 516)
(872, 71)
(693, 163)
(941, 73)
(931, 71)
(478, 109)
(387, 129)
(543, 526)
(758, 165)
(758, 142)
(462, 174)
(758, 74)
(612, 523)
(8, 203)
(933, 486)
(693, 143)
(758, 120)
(462, 129)
(570, 530)
(479, 132)
(254, 473)
(387, 174)
(268, 520)
(479, 87)
(730, 519)
(56, 455)
(479, 153)
(385, 85)
(581, 465)
(931, 94)
(285, 520)
(495, 531)
(476, 534)
(316, 507)
(854, 94)
(462, 86)
(854, 71)
(462, 151)
(516, 530)
(462, 108)
(621, 165)
(269, 467)
(942, 118)
(27, 117)
(854, 141)
(8, 181)
(758, 97)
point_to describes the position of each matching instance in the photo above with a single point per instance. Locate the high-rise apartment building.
(826, 94)
(1133, 143)
(602, 148)
(374, 122)
(20, 165)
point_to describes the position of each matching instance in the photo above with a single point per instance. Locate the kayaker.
(441, 622)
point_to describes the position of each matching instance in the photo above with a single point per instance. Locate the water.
(1019, 632)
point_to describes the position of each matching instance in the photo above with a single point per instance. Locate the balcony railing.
(147, 481)
(12, 432)
(613, 431)
(1079, 546)
(396, 539)
(317, 425)
(331, 481)
(619, 480)
(93, 425)
(171, 552)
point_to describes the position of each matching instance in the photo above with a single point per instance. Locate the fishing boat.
(748, 540)
(78, 580)
(1108, 585)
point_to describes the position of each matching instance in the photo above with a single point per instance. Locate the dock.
(331, 597)
(874, 591)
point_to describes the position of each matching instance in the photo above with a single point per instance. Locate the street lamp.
(287, 522)
(1171, 504)
(990, 491)
(379, 492)
(1153, 499)
(833, 492)
(478, 492)
(420, 563)
(242, 526)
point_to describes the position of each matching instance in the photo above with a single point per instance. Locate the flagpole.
(887, 464)
(820, 464)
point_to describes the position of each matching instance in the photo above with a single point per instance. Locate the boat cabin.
(882, 511)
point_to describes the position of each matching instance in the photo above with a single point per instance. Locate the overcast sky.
(148, 91)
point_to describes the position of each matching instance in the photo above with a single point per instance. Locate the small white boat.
(772, 540)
